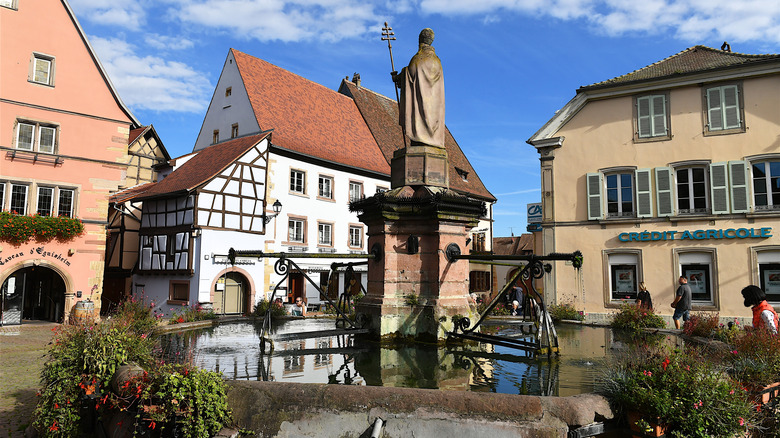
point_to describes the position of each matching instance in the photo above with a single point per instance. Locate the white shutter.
(738, 174)
(594, 182)
(659, 115)
(731, 106)
(714, 112)
(719, 188)
(663, 191)
(644, 195)
(644, 127)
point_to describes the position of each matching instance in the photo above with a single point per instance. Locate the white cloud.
(278, 20)
(519, 192)
(150, 82)
(128, 14)
(166, 42)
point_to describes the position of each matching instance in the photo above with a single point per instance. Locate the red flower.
(54, 427)
(152, 425)
(665, 363)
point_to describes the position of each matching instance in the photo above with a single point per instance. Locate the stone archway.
(233, 295)
(34, 292)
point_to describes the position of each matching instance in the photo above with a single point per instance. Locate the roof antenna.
(725, 47)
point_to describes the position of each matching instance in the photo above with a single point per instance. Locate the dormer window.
(462, 174)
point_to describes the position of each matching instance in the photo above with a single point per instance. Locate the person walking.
(643, 299)
(682, 302)
(764, 314)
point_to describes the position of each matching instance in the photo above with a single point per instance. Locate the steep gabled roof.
(381, 115)
(136, 133)
(307, 117)
(696, 59)
(515, 245)
(130, 193)
(204, 166)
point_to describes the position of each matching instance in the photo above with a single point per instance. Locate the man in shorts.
(682, 302)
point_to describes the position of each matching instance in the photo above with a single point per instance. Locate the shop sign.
(534, 213)
(40, 252)
(729, 233)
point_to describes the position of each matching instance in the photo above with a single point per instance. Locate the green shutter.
(731, 106)
(644, 195)
(719, 188)
(644, 122)
(594, 185)
(738, 174)
(714, 111)
(663, 191)
(659, 115)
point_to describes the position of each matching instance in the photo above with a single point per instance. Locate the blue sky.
(508, 64)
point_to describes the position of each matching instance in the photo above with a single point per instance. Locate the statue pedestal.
(419, 165)
(415, 294)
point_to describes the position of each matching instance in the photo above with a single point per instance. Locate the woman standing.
(643, 299)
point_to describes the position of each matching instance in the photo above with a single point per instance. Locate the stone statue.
(421, 106)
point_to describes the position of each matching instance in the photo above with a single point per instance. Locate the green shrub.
(631, 317)
(755, 359)
(191, 314)
(701, 324)
(277, 309)
(141, 317)
(566, 311)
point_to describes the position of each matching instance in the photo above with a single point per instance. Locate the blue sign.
(729, 233)
(534, 213)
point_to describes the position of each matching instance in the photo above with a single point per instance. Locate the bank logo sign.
(534, 213)
(728, 233)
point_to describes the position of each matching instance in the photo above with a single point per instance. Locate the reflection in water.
(234, 350)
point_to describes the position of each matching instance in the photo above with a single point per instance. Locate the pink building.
(64, 146)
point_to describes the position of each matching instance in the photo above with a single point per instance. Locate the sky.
(509, 65)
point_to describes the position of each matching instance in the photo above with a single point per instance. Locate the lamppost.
(277, 206)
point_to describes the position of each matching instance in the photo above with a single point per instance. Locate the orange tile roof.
(381, 115)
(135, 133)
(130, 192)
(203, 166)
(515, 245)
(307, 117)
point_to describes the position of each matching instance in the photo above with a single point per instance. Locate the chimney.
(356, 79)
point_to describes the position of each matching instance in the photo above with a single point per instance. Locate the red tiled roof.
(202, 167)
(381, 116)
(515, 245)
(307, 117)
(692, 60)
(130, 192)
(135, 133)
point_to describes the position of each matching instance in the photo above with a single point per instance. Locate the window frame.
(321, 226)
(320, 193)
(691, 185)
(11, 4)
(302, 223)
(26, 199)
(359, 185)
(59, 201)
(619, 190)
(740, 109)
(297, 187)
(215, 136)
(37, 128)
(769, 205)
(39, 197)
(51, 60)
(480, 281)
(693, 258)
(234, 130)
(622, 257)
(766, 258)
(2, 196)
(667, 135)
(172, 298)
(358, 229)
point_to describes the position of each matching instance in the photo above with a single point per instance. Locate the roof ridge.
(370, 90)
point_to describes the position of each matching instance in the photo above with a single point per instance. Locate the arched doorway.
(233, 297)
(34, 292)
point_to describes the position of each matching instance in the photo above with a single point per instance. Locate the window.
(42, 69)
(8, 4)
(65, 204)
(696, 266)
(18, 199)
(325, 234)
(165, 252)
(766, 185)
(769, 273)
(355, 191)
(623, 275)
(620, 195)
(295, 231)
(297, 181)
(179, 291)
(31, 136)
(478, 242)
(652, 117)
(2, 196)
(215, 137)
(228, 91)
(234, 130)
(692, 190)
(723, 106)
(479, 281)
(45, 201)
(325, 187)
(355, 236)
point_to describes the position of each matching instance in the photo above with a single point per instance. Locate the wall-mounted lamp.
(277, 206)
(413, 244)
(195, 232)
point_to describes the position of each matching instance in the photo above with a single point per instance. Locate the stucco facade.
(685, 196)
(63, 154)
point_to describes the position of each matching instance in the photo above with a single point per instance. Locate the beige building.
(673, 169)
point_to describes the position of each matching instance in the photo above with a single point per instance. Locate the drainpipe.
(378, 423)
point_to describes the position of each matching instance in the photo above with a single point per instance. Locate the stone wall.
(274, 409)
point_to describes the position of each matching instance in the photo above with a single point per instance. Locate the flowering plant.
(634, 318)
(687, 392)
(755, 359)
(701, 324)
(191, 314)
(18, 229)
(277, 309)
(565, 311)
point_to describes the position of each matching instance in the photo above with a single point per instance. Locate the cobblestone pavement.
(22, 350)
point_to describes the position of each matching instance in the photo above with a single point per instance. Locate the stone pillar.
(415, 295)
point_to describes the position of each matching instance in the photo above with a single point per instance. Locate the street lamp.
(277, 206)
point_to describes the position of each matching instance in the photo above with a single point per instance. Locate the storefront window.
(770, 280)
(698, 276)
(623, 276)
